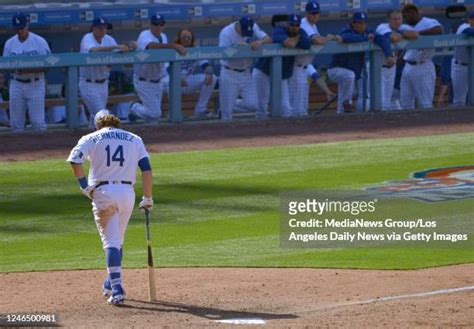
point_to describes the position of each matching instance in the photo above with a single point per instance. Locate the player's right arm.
(76, 158)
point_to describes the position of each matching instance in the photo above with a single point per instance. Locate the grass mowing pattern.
(216, 208)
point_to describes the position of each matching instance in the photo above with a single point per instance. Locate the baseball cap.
(19, 21)
(157, 19)
(99, 21)
(246, 26)
(359, 16)
(294, 19)
(312, 7)
(470, 14)
(99, 115)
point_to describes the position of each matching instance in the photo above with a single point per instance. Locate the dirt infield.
(212, 135)
(280, 297)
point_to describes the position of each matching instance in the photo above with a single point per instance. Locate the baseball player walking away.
(114, 155)
(418, 63)
(94, 80)
(290, 36)
(27, 87)
(299, 86)
(460, 62)
(192, 82)
(235, 78)
(347, 68)
(148, 78)
(391, 32)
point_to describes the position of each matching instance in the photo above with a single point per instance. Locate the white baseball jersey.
(229, 37)
(113, 153)
(461, 53)
(311, 30)
(99, 72)
(34, 45)
(422, 55)
(385, 28)
(153, 71)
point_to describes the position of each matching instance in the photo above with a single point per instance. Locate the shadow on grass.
(209, 313)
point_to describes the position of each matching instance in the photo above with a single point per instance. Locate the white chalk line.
(390, 298)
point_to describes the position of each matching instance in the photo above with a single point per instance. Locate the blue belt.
(106, 182)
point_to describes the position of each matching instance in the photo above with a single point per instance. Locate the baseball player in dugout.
(148, 78)
(192, 82)
(94, 80)
(290, 36)
(27, 86)
(303, 67)
(236, 77)
(392, 31)
(418, 63)
(114, 155)
(346, 69)
(460, 62)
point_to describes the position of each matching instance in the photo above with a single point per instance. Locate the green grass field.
(216, 208)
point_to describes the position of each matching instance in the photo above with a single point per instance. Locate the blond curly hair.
(108, 120)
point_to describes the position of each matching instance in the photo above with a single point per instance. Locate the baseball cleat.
(106, 288)
(117, 297)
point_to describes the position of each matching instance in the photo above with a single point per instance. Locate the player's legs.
(286, 108)
(407, 94)
(388, 81)
(196, 84)
(125, 195)
(229, 91)
(459, 78)
(299, 90)
(425, 87)
(262, 84)
(95, 97)
(18, 106)
(150, 94)
(247, 91)
(35, 94)
(345, 80)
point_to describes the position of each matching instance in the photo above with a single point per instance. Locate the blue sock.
(114, 266)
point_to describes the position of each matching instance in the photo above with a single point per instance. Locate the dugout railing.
(72, 62)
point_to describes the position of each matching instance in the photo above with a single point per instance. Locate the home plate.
(242, 321)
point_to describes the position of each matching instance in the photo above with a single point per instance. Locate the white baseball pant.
(151, 95)
(262, 82)
(459, 78)
(345, 79)
(95, 97)
(196, 84)
(112, 206)
(418, 83)
(299, 90)
(388, 82)
(231, 85)
(27, 96)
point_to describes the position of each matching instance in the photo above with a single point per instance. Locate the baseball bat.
(325, 106)
(151, 271)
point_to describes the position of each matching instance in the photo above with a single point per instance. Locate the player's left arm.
(262, 38)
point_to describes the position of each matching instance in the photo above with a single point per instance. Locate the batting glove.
(146, 203)
(88, 191)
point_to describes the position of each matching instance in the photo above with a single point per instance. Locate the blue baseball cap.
(100, 21)
(246, 26)
(19, 21)
(470, 14)
(360, 16)
(312, 7)
(157, 19)
(294, 19)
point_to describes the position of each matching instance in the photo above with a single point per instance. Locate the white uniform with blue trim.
(114, 155)
(94, 80)
(236, 78)
(27, 90)
(389, 73)
(148, 80)
(419, 74)
(460, 71)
